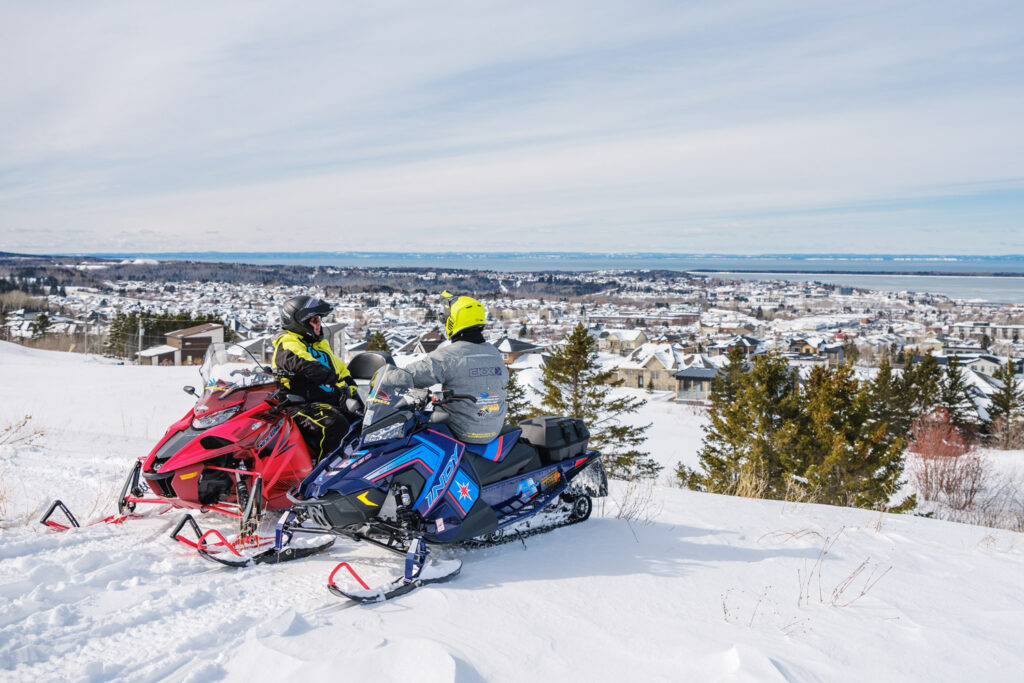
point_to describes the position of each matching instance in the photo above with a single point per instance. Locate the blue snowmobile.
(407, 482)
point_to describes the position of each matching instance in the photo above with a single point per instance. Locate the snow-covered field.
(699, 587)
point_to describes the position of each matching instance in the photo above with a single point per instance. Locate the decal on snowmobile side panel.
(463, 493)
(435, 489)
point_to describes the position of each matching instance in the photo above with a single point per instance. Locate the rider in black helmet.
(310, 369)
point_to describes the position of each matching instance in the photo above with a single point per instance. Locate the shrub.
(947, 469)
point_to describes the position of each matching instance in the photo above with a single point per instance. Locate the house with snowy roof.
(424, 343)
(620, 341)
(512, 349)
(749, 345)
(186, 346)
(693, 381)
(651, 365)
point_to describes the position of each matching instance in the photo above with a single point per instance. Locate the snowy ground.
(700, 587)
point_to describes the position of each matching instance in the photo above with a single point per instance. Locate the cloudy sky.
(736, 127)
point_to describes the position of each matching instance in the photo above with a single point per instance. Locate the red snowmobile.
(236, 452)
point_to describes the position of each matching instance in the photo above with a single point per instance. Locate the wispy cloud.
(737, 126)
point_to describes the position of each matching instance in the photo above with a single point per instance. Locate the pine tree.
(850, 351)
(41, 325)
(753, 425)
(519, 406)
(917, 393)
(953, 396)
(575, 385)
(846, 457)
(727, 384)
(882, 396)
(377, 342)
(1007, 406)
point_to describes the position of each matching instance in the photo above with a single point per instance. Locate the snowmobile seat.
(520, 458)
(499, 446)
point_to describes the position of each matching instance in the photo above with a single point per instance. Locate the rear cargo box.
(557, 438)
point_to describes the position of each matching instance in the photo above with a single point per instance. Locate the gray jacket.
(467, 368)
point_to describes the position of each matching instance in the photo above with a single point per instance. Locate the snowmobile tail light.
(392, 431)
(213, 419)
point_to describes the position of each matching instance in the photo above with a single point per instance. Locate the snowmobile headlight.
(213, 419)
(392, 431)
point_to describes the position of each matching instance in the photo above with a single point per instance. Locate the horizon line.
(619, 254)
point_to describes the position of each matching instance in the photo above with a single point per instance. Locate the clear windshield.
(392, 391)
(231, 366)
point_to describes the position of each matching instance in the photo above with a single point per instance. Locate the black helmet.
(297, 312)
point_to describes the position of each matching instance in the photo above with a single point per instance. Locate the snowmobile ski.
(232, 558)
(418, 572)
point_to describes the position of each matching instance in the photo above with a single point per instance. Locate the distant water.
(961, 277)
(1003, 290)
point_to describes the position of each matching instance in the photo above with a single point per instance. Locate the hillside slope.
(697, 587)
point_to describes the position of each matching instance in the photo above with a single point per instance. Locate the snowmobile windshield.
(229, 366)
(392, 392)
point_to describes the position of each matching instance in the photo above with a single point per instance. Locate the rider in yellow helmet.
(463, 312)
(468, 366)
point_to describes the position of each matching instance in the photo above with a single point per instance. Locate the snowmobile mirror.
(293, 399)
(191, 391)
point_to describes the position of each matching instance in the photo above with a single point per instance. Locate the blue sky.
(736, 127)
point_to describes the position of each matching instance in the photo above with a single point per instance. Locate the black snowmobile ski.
(225, 552)
(269, 556)
(418, 572)
(396, 587)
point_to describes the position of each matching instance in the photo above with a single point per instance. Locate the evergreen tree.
(1007, 406)
(846, 457)
(575, 385)
(918, 392)
(377, 342)
(753, 424)
(727, 384)
(883, 399)
(831, 442)
(41, 325)
(519, 406)
(851, 353)
(953, 396)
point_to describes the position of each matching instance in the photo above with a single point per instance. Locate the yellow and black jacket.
(312, 369)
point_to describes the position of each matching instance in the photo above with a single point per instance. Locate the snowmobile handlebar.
(444, 397)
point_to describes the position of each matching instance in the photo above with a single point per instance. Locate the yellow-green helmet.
(463, 312)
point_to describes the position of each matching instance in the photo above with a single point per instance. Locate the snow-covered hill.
(696, 587)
